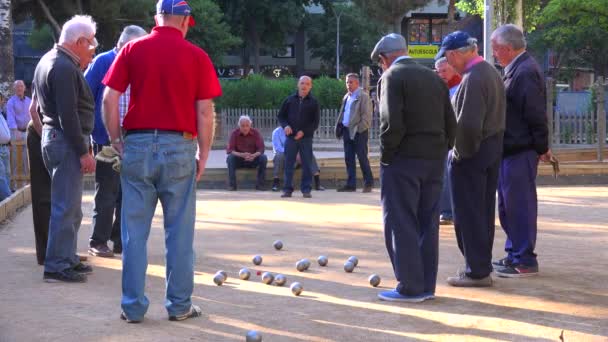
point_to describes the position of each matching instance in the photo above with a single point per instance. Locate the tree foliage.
(358, 35)
(264, 23)
(391, 12)
(505, 11)
(575, 29)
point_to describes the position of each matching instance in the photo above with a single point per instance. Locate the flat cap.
(389, 43)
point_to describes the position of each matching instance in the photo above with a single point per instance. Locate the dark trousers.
(518, 206)
(40, 185)
(445, 203)
(410, 203)
(474, 181)
(106, 210)
(235, 162)
(292, 148)
(357, 147)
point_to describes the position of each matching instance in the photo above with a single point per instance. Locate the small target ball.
(322, 260)
(374, 280)
(280, 280)
(257, 260)
(278, 245)
(349, 267)
(253, 336)
(244, 274)
(218, 279)
(296, 288)
(267, 278)
(354, 260)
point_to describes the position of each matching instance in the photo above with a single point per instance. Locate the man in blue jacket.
(299, 116)
(107, 181)
(525, 141)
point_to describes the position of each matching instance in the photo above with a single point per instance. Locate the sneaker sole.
(101, 255)
(518, 275)
(402, 300)
(52, 280)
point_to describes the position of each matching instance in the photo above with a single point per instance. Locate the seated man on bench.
(246, 150)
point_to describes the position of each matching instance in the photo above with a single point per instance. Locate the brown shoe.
(367, 189)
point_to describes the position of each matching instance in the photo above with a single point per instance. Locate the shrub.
(260, 93)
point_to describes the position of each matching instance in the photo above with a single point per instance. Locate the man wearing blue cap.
(417, 125)
(169, 128)
(474, 162)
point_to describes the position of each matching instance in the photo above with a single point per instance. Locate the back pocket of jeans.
(180, 164)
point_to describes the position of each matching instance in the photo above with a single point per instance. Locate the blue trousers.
(292, 148)
(474, 181)
(445, 203)
(410, 204)
(106, 225)
(5, 172)
(235, 162)
(158, 167)
(63, 164)
(518, 206)
(357, 147)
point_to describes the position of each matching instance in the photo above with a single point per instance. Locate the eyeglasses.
(92, 43)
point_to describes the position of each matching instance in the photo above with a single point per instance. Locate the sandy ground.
(570, 295)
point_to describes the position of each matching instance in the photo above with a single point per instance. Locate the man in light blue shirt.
(278, 147)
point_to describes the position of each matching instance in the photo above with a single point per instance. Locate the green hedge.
(258, 92)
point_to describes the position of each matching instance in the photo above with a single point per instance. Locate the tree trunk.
(254, 41)
(397, 24)
(519, 14)
(50, 18)
(7, 69)
(79, 7)
(451, 13)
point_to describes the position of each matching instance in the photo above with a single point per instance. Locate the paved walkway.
(570, 295)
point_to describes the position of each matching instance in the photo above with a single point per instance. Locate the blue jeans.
(63, 164)
(158, 166)
(518, 206)
(5, 172)
(235, 162)
(357, 147)
(410, 191)
(292, 148)
(445, 202)
(107, 189)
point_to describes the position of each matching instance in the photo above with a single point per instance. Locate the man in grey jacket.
(352, 126)
(66, 104)
(474, 162)
(417, 126)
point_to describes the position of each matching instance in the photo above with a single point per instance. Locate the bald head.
(304, 86)
(19, 88)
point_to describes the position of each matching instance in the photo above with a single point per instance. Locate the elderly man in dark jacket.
(299, 116)
(417, 127)
(525, 141)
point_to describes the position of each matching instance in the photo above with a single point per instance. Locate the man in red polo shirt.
(246, 150)
(172, 85)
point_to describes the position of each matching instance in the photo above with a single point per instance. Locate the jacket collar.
(510, 69)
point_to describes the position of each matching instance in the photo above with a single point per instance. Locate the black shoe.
(319, 188)
(67, 276)
(516, 271)
(504, 262)
(307, 195)
(346, 189)
(260, 188)
(286, 195)
(194, 311)
(82, 268)
(275, 184)
(101, 250)
(117, 248)
(367, 189)
(232, 188)
(125, 318)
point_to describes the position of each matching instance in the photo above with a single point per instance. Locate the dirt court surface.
(570, 295)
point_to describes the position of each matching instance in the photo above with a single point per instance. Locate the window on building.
(427, 30)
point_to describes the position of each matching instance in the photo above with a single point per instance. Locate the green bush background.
(258, 92)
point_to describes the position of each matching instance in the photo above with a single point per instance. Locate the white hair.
(244, 118)
(471, 46)
(440, 61)
(17, 82)
(510, 35)
(129, 33)
(78, 26)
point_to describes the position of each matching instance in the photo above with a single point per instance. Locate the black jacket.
(301, 114)
(526, 127)
(416, 115)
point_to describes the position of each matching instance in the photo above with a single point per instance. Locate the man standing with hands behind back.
(299, 116)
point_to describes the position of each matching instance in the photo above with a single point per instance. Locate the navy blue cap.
(175, 7)
(453, 41)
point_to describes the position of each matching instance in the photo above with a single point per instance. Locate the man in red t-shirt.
(246, 150)
(170, 112)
